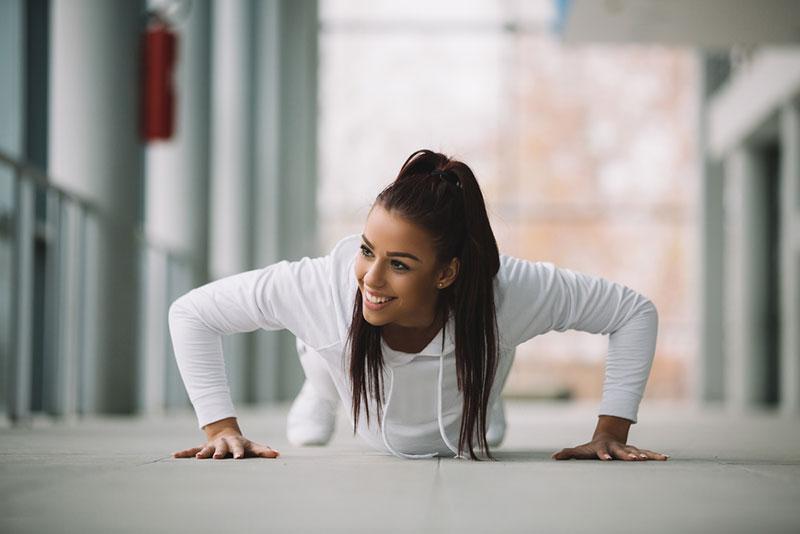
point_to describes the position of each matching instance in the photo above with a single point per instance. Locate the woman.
(422, 299)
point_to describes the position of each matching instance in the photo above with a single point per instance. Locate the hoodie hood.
(441, 348)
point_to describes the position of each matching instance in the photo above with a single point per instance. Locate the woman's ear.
(448, 274)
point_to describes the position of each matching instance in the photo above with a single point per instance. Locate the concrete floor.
(726, 474)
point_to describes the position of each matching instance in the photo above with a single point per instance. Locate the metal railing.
(47, 253)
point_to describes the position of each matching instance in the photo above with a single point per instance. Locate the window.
(586, 155)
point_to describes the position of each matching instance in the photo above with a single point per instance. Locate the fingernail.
(607, 457)
(643, 455)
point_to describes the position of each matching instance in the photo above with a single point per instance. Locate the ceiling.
(709, 24)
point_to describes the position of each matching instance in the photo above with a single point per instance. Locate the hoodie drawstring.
(439, 410)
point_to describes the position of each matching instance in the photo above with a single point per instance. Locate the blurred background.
(149, 147)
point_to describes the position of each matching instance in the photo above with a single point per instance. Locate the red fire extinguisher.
(159, 50)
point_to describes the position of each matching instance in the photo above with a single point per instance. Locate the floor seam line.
(153, 461)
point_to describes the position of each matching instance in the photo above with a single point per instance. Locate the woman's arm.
(538, 297)
(225, 437)
(612, 426)
(286, 295)
(608, 442)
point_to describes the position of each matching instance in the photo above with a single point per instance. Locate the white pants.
(317, 373)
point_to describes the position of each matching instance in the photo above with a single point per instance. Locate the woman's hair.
(442, 196)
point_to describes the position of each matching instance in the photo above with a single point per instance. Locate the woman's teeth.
(376, 300)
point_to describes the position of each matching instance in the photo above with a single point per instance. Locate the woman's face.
(397, 260)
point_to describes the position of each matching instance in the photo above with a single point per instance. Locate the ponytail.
(442, 196)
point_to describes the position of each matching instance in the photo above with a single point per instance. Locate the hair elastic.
(448, 176)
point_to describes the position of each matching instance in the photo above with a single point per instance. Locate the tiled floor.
(728, 473)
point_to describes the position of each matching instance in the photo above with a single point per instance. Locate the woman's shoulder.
(520, 294)
(520, 270)
(519, 280)
(341, 258)
(345, 249)
(342, 280)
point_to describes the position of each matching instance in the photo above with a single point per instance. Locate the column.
(232, 150)
(13, 395)
(95, 152)
(710, 386)
(790, 258)
(747, 347)
(176, 214)
(285, 167)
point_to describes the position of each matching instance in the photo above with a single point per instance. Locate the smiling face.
(397, 259)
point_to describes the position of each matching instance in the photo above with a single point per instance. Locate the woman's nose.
(374, 276)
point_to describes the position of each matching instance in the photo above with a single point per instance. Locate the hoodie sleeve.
(285, 295)
(537, 297)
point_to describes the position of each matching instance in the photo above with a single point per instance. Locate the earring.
(440, 285)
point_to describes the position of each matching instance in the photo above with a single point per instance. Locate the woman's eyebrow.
(400, 254)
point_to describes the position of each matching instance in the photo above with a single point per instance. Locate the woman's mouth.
(376, 303)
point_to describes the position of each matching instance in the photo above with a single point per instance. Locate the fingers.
(237, 448)
(579, 453)
(608, 450)
(625, 452)
(205, 452)
(602, 452)
(631, 453)
(222, 449)
(245, 448)
(263, 451)
(652, 455)
(644, 454)
(563, 454)
(186, 453)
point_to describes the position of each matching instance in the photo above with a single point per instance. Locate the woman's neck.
(411, 339)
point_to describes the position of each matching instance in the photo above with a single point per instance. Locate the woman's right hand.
(226, 439)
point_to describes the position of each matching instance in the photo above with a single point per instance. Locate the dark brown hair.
(442, 196)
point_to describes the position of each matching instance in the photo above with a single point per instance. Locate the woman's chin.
(372, 319)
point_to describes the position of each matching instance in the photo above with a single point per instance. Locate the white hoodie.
(313, 298)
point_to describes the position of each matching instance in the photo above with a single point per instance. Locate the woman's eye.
(367, 252)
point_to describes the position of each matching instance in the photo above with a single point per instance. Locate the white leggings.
(316, 372)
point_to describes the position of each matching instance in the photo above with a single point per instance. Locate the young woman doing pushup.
(421, 304)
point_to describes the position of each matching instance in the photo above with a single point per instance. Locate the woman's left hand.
(605, 447)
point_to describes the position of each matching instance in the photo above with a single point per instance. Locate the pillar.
(232, 151)
(95, 152)
(710, 385)
(747, 286)
(176, 210)
(285, 167)
(789, 247)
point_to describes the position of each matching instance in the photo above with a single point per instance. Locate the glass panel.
(6, 268)
(586, 155)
